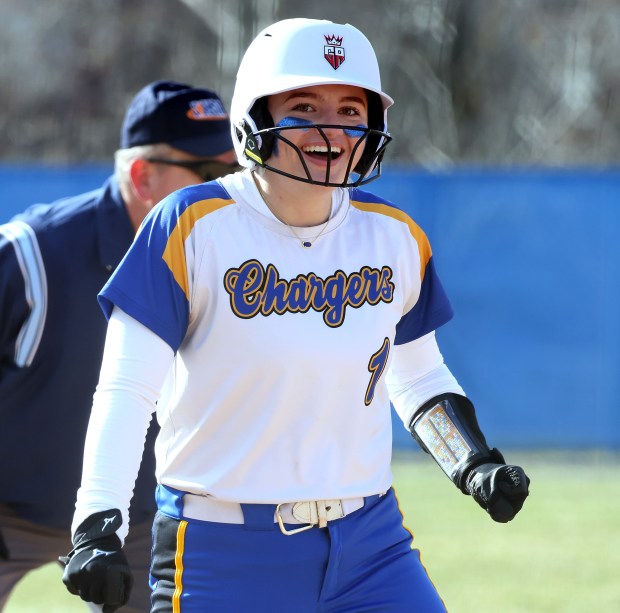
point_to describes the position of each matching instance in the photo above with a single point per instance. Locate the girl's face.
(342, 105)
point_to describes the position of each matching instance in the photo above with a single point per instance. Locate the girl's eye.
(350, 111)
(303, 107)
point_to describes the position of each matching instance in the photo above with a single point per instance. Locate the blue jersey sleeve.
(431, 311)
(151, 284)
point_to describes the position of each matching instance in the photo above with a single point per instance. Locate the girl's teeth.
(320, 149)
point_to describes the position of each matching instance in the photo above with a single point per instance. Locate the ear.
(140, 173)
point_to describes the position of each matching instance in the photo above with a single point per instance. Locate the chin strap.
(446, 427)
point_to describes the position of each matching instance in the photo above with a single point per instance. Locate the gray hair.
(124, 157)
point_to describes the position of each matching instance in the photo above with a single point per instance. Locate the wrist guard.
(446, 428)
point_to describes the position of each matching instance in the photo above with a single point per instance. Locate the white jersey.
(278, 390)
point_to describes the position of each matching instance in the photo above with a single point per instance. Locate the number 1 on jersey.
(376, 366)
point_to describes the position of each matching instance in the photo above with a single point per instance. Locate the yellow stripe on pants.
(178, 573)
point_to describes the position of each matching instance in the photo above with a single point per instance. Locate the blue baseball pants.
(362, 563)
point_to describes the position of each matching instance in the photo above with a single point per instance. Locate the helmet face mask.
(361, 174)
(301, 53)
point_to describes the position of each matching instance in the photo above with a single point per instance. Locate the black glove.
(4, 550)
(97, 569)
(499, 489)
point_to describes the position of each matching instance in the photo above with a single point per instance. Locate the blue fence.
(530, 260)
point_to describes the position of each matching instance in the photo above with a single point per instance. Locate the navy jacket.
(54, 259)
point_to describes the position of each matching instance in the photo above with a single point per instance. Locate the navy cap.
(187, 118)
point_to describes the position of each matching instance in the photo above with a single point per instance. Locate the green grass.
(560, 555)
(42, 591)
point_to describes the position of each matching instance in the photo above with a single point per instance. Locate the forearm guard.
(446, 427)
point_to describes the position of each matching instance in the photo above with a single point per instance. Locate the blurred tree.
(477, 82)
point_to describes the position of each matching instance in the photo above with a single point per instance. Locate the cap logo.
(333, 50)
(208, 109)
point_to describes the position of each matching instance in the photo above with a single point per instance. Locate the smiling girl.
(285, 308)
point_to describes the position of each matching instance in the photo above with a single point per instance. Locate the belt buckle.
(284, 530)
(315, 512)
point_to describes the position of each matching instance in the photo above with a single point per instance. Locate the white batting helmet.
(296, 53)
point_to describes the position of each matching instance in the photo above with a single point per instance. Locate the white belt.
(312, 513)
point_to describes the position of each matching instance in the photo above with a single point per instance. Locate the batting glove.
(97, 569)
(499, 489)
(4, 550)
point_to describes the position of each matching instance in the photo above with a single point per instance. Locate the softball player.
(270, 317)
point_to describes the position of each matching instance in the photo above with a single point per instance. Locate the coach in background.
(54, 260)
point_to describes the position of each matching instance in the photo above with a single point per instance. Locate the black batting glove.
(97, 569)
(4, 550)
(499, 489)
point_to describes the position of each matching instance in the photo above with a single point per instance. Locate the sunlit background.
(527, 82)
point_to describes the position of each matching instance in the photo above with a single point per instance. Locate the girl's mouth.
(322, 152)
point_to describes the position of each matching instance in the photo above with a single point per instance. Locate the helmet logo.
(333, 50)
(251, 149)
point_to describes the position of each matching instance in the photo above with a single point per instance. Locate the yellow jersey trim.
(174, 253)
(424, 247)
